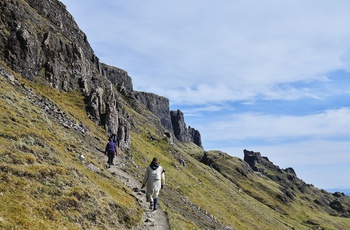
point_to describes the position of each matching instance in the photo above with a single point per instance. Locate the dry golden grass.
(45, 186)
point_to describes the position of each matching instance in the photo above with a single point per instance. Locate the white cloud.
(326, 124)
(231, 48)
(215, 55)
(239, 43)
(238, 49)
(202, 94)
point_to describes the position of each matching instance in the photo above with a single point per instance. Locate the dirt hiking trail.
(152, 220)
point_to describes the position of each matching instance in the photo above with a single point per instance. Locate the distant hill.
(58, 105)
(346, 191)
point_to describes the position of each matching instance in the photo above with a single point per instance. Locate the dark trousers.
(110, 157)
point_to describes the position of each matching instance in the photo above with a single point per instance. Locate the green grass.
(45, 186)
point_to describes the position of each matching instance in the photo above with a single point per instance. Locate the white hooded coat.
(153, 179)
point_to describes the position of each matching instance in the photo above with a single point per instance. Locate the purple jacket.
(111, 147)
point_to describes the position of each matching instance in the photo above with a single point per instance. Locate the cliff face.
(118, 77)
(172, 121)
(195, 136)
(181, 132)
(158, 105)
(51, 154)
(41, 41)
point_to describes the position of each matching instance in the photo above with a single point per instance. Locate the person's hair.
(155, 159)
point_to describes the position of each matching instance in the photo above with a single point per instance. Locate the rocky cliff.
(181, 131)
(172, 121)
(52, 168)
(158, 105)
(41, 41)
(119, 78)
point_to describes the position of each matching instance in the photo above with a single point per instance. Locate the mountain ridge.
(346, 191)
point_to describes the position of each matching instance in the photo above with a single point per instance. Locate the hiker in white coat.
(155, 179)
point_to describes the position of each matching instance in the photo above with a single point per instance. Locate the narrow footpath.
(152, 220)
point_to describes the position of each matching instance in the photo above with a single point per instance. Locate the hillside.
(58, 102)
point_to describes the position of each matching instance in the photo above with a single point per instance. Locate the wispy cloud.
(242, 44)
(271, 75)
(246, 126)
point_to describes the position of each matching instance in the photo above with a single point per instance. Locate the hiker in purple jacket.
(111, 151)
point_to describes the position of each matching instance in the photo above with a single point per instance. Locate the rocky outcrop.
(260, 163)
(45, 104)
(286, 178)
(196, 136)
(41, 41)
(181, 132)
(253, 158)
(290, 171)
(179, 126)
(119, 78)
(172, 121)
(158, 105)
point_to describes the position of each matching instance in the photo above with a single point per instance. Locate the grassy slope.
(301, 211)
(43, 183)
(219, 195)
(205, 187)
(45, 186)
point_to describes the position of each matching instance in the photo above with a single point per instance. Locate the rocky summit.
(59, 104)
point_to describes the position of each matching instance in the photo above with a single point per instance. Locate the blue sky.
(268, 76)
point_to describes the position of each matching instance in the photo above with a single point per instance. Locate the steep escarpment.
(41, 41)
(119, 78)
(51, 166)
(173, 121)
(181, 131)
(157, 105)
(58, 103)
(269, 180)
(291, 185)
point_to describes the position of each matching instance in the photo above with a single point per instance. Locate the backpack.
(114, 138)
